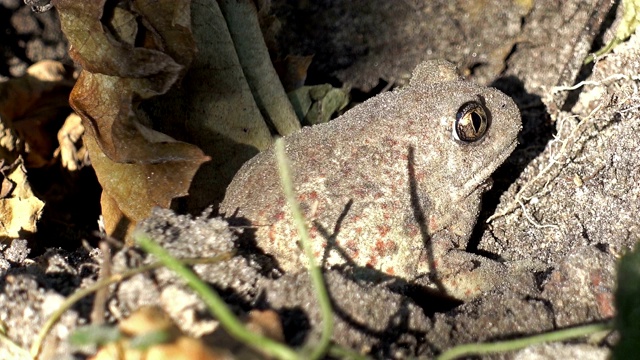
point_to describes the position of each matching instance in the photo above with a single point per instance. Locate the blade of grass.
(75, 297)
(314, 271)
(510, 345)
(15, 351)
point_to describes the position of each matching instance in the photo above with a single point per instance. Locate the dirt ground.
(562, 209)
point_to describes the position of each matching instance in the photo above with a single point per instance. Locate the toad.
(392, 188)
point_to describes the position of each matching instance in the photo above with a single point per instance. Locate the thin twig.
(100, 300)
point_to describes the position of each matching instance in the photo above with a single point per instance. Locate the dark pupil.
(476, 120)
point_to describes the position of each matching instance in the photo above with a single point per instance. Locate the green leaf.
(627, 299)
(626, 27)
(316, 104)
(94, 335)
(149, 339)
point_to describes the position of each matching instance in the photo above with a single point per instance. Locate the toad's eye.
(471, 122)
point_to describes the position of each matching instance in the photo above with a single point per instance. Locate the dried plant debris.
(39, 6)
(130, 53)
(32, 107)
(292, 71)
(150, 102)
(149, 333)
(20, 209)
(71, 150)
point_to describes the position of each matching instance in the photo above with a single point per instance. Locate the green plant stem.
(510, 345)
(216, 305)
(12, 348)
(314, 270)
(75, 297)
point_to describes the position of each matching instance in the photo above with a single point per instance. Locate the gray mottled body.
(387, 186)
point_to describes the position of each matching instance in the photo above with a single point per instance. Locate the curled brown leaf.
(130, 53)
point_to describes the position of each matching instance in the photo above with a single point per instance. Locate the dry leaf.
(19, 208)
(32, 108)
(293, 71)
(264, 322)
(166, 341)
(176, 346)
(73, 155)
(142, 76)
(130, 53)
(131, 190)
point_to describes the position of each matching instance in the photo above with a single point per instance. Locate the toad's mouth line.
(481, 180)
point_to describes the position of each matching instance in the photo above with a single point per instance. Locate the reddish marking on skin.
(605, 304)
(280, 216)
(371, 263)
(433, 222)
(313, 231)
(390, 142)
(413, 231)
(313, 195)
(470, 292)
(379, 249)
(360, 193)
(272, 234)
(423, 258)
(383, 248)
(390, 271)
(384, 230)
(352, 249)
(604, 297)
(346, 171)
